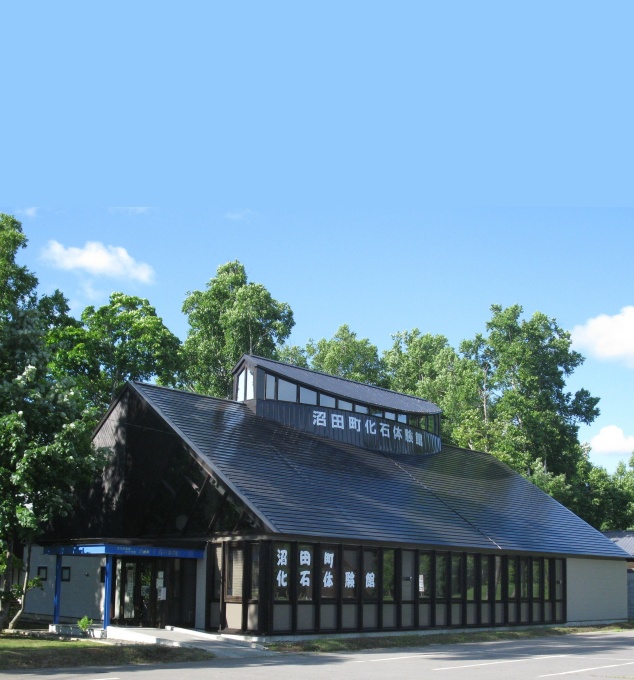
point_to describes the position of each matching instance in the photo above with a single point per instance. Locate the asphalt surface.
(588, 655)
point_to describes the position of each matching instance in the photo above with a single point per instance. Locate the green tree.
(347, 357)
(293, 354)
(123, 340)
(427, 366)
(230, 318)
(527, 416)
(45, 450)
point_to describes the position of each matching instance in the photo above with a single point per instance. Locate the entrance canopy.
(110, 550)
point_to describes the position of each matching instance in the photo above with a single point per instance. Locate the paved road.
(585, 656)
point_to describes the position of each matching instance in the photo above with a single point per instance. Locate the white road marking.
(585, 670)
(392, 658)
(494, 663)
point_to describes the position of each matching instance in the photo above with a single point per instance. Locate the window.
(390, 416)
(524, 578)
(329, 570)
(240, 393)
(307, 396)
(402, 418)
(235, 570)
(370, 574)
(350, 572)
(456, 576)
(42, 573)
(281, 571)
(441, 576)
(512, 585)
(388, 575)
(286, 391)
(327, 401)
(360, 409)
(498, 579)
(536, 578)
(471, 578)
(484, 578)
(345, 405)
(269, 387)
(65, 573)
(305, 559)
(250, 379)
(424, 576)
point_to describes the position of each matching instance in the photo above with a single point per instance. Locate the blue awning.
(121, 549)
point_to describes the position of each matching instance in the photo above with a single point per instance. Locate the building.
(314, 504)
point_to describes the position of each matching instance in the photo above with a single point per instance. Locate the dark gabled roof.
(342, 387)
(624, 539)
(304, 485)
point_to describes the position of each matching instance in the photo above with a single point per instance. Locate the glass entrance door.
(137, 592)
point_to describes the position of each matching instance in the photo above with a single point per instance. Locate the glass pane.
(524, 578)
(269, 387)
(286, 391)
(559, 579)
(327, 401)
(328, 572)
(234, 572)
(424, 575)
(240, 394)
(536, 578)
(471, 578)
(360, 409)
(281, 571)
(441, 576)
(250, 380)
(390, 416)
(350, 570)
(255, 571)
(498, 579)
(512, 578)
(345, 405)
(305, 588)
(484, 578)
(388, 575)
(306, 556)
(547, 577)
(307, 396)
(456, 576)
(370, 567)
(402, 418)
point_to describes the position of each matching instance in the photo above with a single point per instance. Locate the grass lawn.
(414, 640)
(24, 652)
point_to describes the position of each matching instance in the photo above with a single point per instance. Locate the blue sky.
(386, 165)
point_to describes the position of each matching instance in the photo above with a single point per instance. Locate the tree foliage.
(228, 319)
(123, 340)
(526, 413)
(45, 447)
(347, 357)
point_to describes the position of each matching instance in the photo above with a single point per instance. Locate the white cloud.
(27, 212)
(98, 259)
(608, 337)
(238, 215)
(131, 210)
(612, 440)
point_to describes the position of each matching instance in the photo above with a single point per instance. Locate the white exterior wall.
(82, 596)
(596, 590)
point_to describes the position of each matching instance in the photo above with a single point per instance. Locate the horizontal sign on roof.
(365, 431)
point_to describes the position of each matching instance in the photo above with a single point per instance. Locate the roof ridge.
(337, 377)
